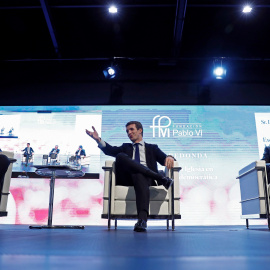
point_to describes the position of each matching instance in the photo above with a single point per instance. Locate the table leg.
(52, 183)
(50, 226)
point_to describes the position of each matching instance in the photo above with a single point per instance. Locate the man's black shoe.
(167, 182)
(140, 226)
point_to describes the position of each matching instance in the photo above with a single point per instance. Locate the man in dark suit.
(80, 152)
(266, 154)
(266, 157)
(55, 150)
(136, 165)
(28, 152)
(4, 163)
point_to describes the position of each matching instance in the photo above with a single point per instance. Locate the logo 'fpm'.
(161, 127)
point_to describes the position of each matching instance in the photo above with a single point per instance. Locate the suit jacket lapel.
(130, 150)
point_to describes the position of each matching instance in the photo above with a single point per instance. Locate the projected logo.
(163, 127)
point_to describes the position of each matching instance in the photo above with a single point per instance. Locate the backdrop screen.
(211, 144)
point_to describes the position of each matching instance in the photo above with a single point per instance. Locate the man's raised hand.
(93, 134)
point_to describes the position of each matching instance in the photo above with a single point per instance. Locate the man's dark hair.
(137, 124)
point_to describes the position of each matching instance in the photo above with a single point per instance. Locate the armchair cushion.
(128, 193)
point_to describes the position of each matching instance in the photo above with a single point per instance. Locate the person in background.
(4, 163)
(55, 150)
(266, 157)
(80, 153)
(28, 152)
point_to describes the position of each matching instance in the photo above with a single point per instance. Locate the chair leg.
(172, 205)
(109, 202)
(173, 225)
(109, 223)
(168, 225)
(115, 223)
(247, 225)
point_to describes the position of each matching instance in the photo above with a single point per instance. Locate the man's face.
(28, 145)
(56, 147)
(134, 134)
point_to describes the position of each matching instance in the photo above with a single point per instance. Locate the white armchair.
(31, 159)
(119, 202)
(254, 190)
(85, 160)
(5, 188)
(53, 158)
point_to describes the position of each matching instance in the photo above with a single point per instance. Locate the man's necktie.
(137, 153)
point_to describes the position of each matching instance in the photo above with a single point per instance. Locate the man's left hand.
(169, 162)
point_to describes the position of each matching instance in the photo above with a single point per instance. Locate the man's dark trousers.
(139, 176)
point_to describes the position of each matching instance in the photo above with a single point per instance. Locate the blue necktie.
(137, 153)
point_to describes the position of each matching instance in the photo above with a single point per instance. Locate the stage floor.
(216, 247)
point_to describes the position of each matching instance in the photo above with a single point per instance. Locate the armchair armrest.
(109, 175)
(174, 174)
(85, 160)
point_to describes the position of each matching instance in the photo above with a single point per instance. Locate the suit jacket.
(152, 153)
(57, 151)
(266, 154)
(82, 152)
(31, 150)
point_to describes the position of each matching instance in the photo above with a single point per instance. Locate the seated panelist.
(136, 165)
(80, 152)
(266, 157)
(55, 150)
(4, 163)
(28, 152)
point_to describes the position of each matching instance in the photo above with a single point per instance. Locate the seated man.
(80, 153)
(266, 157)
(136, 165)
(4, 163)
(55, 150)
(28, 152)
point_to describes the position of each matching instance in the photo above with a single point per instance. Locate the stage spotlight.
(109, 72)
(247, 9)
(112, 9)
(219, 70)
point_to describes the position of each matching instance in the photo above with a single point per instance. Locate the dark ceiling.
(54, 51)
(34, 30)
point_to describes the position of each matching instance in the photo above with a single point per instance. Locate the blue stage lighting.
(219, 72)
(109, 72)
(247, 9)
(112, 9)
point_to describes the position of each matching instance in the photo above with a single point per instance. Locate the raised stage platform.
(216, 247)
